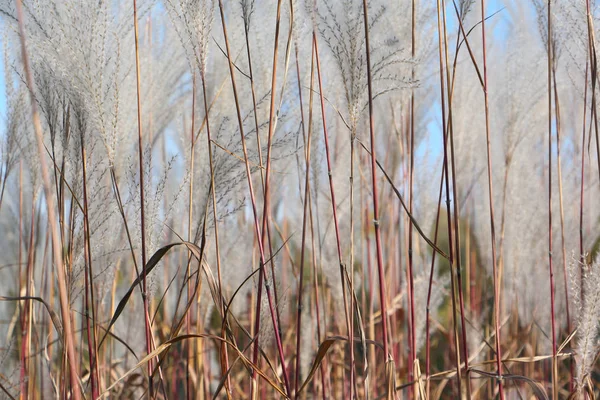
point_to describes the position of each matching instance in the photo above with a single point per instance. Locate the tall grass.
(304, 199)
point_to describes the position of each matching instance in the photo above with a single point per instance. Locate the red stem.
(382, 297)
(262, 274)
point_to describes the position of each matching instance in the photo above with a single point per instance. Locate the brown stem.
(89, 283)
(491, 201)
(148, 328)
(550, 261)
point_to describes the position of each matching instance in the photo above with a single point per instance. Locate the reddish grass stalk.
(550, 263)
(560, 191)
(148, 329)
(307, 146)
(224, 353)
(266, 228)
(457, 252)
(271, 115)
(351, 342)
(266, 232)
(89, 282)
(413, 334)
(491, 200)
(368, 273)
(56, 245)
(188, 319)
(382, 296)
(562, 212)
(428, 310)
(254, 107)
(312, 232)
(331, 189)
(593, 113)
(582, 255)
(272, 124)
(581, 250)
(23, 305)
(316, 287)
(594, 75)
(445, 135)
(20, 250)
(262, 274)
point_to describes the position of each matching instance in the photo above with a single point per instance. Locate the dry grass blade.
(419, 379)
(566, 342)
(53, 316)
(166, 345)
(225, 376)
(321, 353)
(151, 264)
(536, 387)
(117, 200)
(324, 348)
(390, 373)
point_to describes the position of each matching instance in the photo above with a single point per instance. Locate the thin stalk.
(445, 135)
(149, 346)
(411, 286)
(316, 289)
(27, 314)
(188, 319)
(23, 305)
(491, 200)
(56, 245)
(561, 203)
(593, 117)
(266, 227)
(224, 352)
(266, 232)
(331, 188)
(254, 106)
(550, 263)
(457, 252)
(351, 342)
(594, 74)
(581, 250)
(382, 296)
(262, 274)
(307, 146)
(431, 273)
(45, 320)
(60, 188)
(3, 185)
(258, 143)
(89, 282)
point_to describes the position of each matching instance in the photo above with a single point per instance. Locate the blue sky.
(2, 91)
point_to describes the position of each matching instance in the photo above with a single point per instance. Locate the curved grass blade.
(536, 387)
(166, 345)
(150, 265)
(53, 316)
(322, 352)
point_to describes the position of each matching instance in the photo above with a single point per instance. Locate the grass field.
(301, 199)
